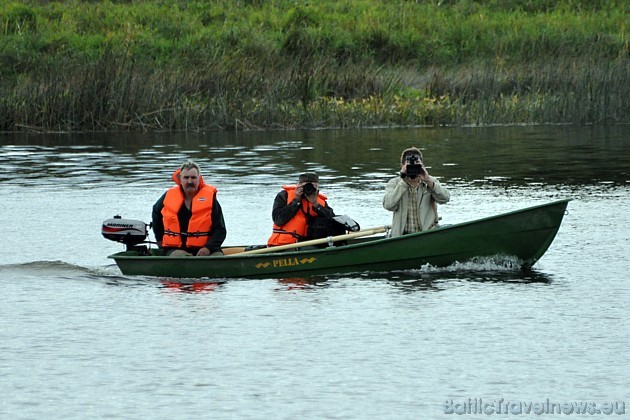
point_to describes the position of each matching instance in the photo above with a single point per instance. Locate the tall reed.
(180, 65)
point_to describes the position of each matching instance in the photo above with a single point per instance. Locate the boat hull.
(523, 235)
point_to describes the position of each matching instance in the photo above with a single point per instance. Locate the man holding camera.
(295, 207)
(413, 196)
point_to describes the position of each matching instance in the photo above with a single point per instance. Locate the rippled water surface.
(79, 340)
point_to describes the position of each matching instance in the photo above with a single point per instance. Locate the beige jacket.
(396, 200)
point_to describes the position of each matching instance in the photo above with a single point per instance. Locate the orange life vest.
(200, 221)
(298, 224)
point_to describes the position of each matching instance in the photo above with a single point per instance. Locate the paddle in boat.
(523, 235)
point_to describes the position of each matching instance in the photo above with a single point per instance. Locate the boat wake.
(43, 268)
(60, 270)
(496, 263)
(109, 275)
(495, 268)
(486, 269)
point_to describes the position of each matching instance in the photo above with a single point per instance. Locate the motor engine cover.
(127, 231)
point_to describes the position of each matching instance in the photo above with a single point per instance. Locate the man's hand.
(299, 191)
(312, 199)
(424, 175)
(203, 252)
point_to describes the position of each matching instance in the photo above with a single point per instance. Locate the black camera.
(309, 189)
(414, 168)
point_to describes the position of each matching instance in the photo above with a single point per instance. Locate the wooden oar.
(337, 238)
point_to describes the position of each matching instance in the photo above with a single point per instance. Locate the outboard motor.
(127, 231)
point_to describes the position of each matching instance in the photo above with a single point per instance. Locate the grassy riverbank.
(227, 64)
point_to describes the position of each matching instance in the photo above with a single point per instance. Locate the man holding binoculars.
(413, 196)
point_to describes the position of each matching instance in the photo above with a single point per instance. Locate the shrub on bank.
(85, 65)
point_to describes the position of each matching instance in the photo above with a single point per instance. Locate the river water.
(79, 340)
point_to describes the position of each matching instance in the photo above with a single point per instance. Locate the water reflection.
(438, 279)
(301, 284)
(195, 287)
(511, 277)
(426, 279)
(362, 159)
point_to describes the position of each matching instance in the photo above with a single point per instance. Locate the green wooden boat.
(522, 235)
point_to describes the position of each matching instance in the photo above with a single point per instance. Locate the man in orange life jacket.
(187, 219)
(295, 207)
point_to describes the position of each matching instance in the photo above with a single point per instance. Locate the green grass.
(249, 64)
